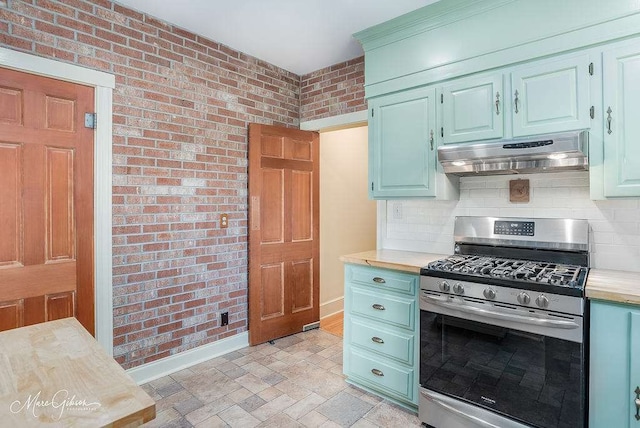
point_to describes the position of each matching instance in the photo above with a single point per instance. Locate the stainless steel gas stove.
(503, 325)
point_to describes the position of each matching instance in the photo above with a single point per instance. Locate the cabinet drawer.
(382, 375)
(393, 345)
(382, 278)
(393, 310)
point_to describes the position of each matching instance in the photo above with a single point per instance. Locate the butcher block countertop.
(614, 285)
(55, 374)
(611, 285)
(407, 261)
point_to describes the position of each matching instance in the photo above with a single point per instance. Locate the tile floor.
(296, 382)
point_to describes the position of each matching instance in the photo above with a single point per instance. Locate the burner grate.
(517, 270)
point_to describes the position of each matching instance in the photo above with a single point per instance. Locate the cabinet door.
(614, 371)
(402, 145)
(621, 87)
(472, 109)
(551, 96)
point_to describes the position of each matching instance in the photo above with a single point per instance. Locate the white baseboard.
(331, 307)
(156, 369)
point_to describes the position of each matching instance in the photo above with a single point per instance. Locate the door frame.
(103, 84)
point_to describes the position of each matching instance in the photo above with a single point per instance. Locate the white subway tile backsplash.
(615, 224)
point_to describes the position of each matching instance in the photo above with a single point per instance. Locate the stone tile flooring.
(296, 382)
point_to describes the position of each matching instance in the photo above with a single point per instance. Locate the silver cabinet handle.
(609, 111)
(431, 139)
(637, 402)
(377, 372)
(516, 100)
(377, 307)
(379, 280)
(497, 103)
(377, 339)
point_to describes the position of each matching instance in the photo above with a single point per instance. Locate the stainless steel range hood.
(543, 153)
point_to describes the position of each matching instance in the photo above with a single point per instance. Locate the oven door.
(476, 370)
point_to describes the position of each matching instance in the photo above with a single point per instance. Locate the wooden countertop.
(55, 374)
(407, 261)
(613, 285)
(602, 284)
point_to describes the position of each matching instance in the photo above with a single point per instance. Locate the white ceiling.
(298, 35)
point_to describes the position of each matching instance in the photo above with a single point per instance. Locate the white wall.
(347, 216)
(428, 225)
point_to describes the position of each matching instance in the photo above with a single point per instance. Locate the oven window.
(535, 379)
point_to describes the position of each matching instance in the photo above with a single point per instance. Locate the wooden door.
(551, 96)
(284, 230)
(402, 145)
(473, 109)
(46, 201)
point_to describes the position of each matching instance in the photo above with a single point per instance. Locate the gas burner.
(524, 271)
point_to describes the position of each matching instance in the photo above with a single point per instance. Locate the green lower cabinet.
(380, 332)
(614, 365)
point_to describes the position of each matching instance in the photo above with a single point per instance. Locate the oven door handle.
(497, 315)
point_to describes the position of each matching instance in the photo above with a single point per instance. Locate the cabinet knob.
(377, 372)
(498, 103)
(377, 307)
(377, 339)
(609, 111)
(431, 139)
(637, 403)
(379, 280)
(516, 100)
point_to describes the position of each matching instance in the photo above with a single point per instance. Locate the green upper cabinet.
(472, 109)
(551, 96)
(402, 144)
(614, 371)
(621, 110)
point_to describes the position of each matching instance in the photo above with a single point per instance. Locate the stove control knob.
(489, 293)
(444, 286)
(542, 301)
(523, 298)
(458, 288)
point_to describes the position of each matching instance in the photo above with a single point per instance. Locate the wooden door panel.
(11, 315)
(272, 146)
(284, 223)
(272, 291)
(302, 285)
(301, 205)
(60, 215)
(46, 201)
(11, 105)
(60, 114)
(299, 150)
(59, 306)
(272, 210)
(10, 208)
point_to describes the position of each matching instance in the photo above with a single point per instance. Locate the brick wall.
(181, 108)
(333, 91)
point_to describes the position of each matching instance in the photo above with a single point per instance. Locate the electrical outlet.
(224, 221)
(224, 318)
(397, 210)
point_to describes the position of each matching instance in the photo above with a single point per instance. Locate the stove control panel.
(473, 291)
(520, 228)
